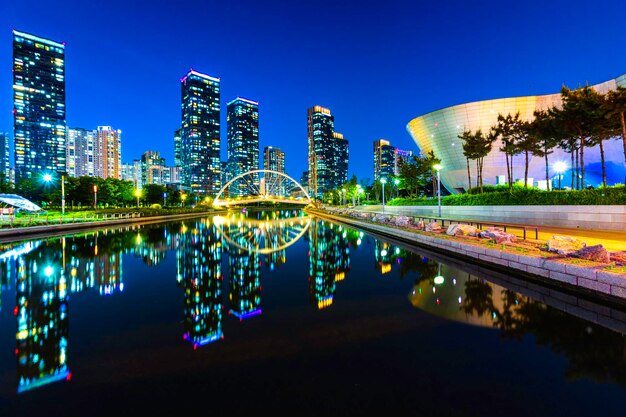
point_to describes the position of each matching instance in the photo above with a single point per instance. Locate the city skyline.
(383, 59)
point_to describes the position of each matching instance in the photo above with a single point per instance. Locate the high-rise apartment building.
(400, 156)
(5, 170)
(384, 159)
(200, 136)
(38, 105)
(80, 152)
(152, 166)
(108, 153)
(327, 152)
(177, 136)
(243, 141)
(274, 159)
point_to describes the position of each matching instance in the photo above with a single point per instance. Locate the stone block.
(554, 266)
(618, 291)
(518, 266)
(581, 271)
(562, 277)
(594, 285)
(531, 260)
(538, 271)
(611, 279)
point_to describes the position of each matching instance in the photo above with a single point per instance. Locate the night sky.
(376, 65)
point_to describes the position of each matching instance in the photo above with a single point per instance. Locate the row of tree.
(91, 191)
(586, 118)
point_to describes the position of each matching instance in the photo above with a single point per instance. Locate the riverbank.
(27, 232)
(526, 258)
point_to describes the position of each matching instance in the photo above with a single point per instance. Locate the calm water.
(277, 311)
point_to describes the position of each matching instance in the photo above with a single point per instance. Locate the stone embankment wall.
(604, 218)
(560, 270)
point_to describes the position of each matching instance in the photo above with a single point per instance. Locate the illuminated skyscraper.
(243, 140)
(177, 136)
(400, 156)
(327, 152)
(274, 159)
(200, 136)
(245, 283)
(38, 105)
(152, 166)
(384, 159)
(80, 152)
(108, 153)
(5, 170)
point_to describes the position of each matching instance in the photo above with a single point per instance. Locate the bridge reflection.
(45, 273)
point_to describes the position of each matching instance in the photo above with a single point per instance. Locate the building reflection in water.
(244, 283)
(42, 317)
(329, 260)
(199, 258)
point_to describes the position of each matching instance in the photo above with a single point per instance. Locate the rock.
(420, 225)
(462, 230)
(402, 221)
(597, 253)
(433, 227)
(498, 235)
(381, 218)
(565, 245)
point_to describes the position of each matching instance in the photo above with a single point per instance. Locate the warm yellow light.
(438, 167)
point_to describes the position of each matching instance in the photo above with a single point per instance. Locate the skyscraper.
(151, 167)
(327, 152)
(273, 159)
(384, 159)
(38, 105)
(243, 141)
(5, 170)
(108, 153)
(177, 136)
(400, 156)
(80, 152)
(200, 136)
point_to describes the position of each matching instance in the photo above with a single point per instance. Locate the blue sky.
(375, 65)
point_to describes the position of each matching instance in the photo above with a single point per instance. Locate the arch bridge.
(261, 186)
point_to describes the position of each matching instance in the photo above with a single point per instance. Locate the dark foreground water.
(279, 312)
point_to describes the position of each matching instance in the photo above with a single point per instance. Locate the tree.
(475, 147)
(526, 143)
(466, 137)
(615, 107)
(153, 193)
(544, 129)
(580, 112)
(506, 130)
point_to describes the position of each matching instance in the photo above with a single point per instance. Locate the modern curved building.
(438, 131)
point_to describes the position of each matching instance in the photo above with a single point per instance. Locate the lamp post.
(383, 181)
(47, 178)
(95, 197)
(396, 181)
(182, 198)
(359, 190)
(164, 196)
(343, 196)
(137, 194)
(560, 168)
(438, 168)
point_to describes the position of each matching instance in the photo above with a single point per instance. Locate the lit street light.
(396, 181)
(48, 178)
(560, 168)
(95, 197)
(137, 194)
(343, 196)
(164, 196)
(359, 190)
(438, 168)
(383, 181)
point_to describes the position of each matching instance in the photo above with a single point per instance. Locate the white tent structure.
(19, 202)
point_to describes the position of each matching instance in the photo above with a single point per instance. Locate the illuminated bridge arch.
(261, 185)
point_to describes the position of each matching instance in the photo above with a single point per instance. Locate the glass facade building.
(38, 105)
(438, 131)
(327, 152)
(108, 153)
(384, 159)
(242, 141)
(200, 133)
(5, 169)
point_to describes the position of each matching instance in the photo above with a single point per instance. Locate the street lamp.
(383, 181)
(95, 197)
(359, 190)
(164, 196)
(137, 194)
(48, 178)
(396, 181)
(183, 197)
(560, 168)
(343, 196)
(438, 168)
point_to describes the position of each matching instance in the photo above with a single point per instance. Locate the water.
(275, 311)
